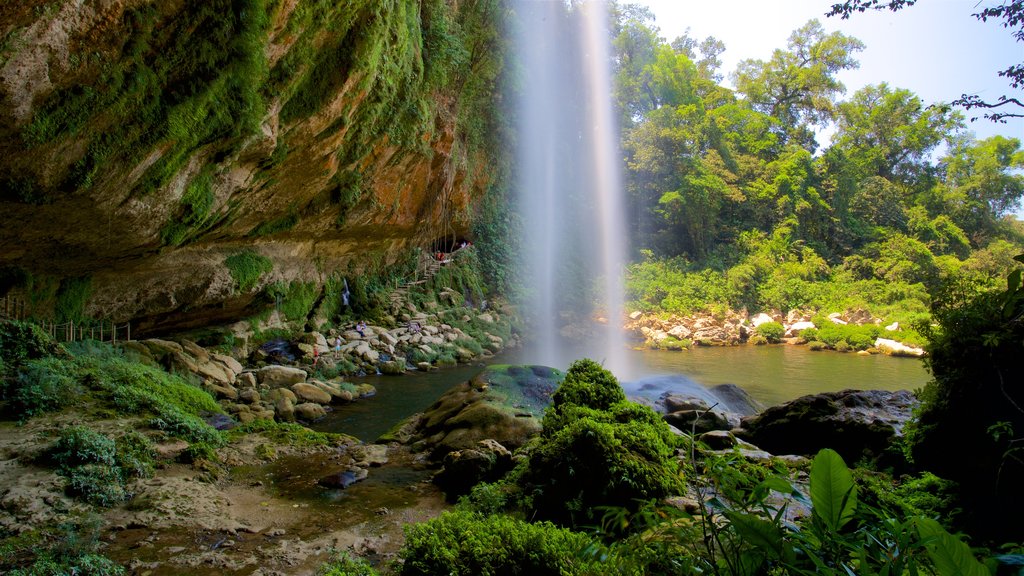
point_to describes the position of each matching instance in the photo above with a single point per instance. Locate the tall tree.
(798, 86)
(886, 132)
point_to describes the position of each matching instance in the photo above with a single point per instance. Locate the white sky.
(935, 49)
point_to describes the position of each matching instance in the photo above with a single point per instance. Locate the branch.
(972, 101)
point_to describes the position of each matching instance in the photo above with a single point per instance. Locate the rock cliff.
(145, 143)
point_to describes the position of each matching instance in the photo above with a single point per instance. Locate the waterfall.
(569, 183)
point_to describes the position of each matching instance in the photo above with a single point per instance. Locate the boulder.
(760, 318)
(249, 395)
(160, 348)
(311, 393)
(855, 423)
(895, 348)
(680, 331)
(228, 362)
(463, 469)
(370, 455)
(736, 400)
(698, 421)
(215, 371)
(718, 440)
(893, 327)
(245, 380)
(196, 351)
(394, 367)
(278, 376)
(226, 392)
(502, 403)
(310, 411)
(797, 327)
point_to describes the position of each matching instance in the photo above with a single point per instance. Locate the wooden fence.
(100, 330)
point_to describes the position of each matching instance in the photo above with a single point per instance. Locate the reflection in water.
(775, 374)
(770, 374)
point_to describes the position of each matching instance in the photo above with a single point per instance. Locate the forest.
(740, 199)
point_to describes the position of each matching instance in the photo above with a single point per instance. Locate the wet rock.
(718, 439)
(219, 421)
(463, 469)
(344, 478)
(895, 348)
(698, 421)
(736, 400)
(370, 455)
(855, 423)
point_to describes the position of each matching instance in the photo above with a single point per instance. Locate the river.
(770, 374)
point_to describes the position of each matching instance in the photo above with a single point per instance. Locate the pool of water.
(770, 374)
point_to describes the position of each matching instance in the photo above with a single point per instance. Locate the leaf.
(833, 493)
(757, 532)
(779, 484)
(951, 556)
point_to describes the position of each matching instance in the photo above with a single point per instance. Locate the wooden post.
(114, 328)
(129, 331)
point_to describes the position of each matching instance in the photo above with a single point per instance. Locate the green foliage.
(41, 386)
(589, 385)
(193, 211)
(771, 331)
(833, 493)
(288, 433)
(247, 267)
(96, 467)
(295, 299)
(68, 548)
(968, 426)
(344, 565)
(466, 543)
(24, 341)
(184, 80)
(72, 295)
(282, 224)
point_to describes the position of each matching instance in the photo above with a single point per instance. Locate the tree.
(798, 86)
(1012, 15)
(886, 132)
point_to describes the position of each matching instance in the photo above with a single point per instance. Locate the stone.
(718, 439)
(278, 376)
(635, 315)
(760, 318)
(249, 395)
(245, 380)
(195, 350)
(370, 455)
(306, 392)
(226, 392)
(365, 390)
(463, 469)
(680, 331)
(310, 411)
(698, 421)
(485, 317)
(894, 348)
(160, 348)
(855, 423)
(797, 327)
(393, 367)
(215, 371)
(893, 327)
(736, 400)
(228, 362)
(344, 478)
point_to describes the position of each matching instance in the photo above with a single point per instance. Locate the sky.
(935, 48)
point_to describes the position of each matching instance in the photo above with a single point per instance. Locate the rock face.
(133, 170)
(855, 423)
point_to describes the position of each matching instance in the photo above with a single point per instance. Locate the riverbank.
(851, 330)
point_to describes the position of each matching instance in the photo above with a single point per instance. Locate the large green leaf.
(951, 556)
(758, 532)
(833, 493)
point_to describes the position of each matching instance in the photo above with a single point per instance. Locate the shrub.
(134, 454)
(24, 341)
(771, 331)
(89, 462)
(344, 565)
(186, 426)
(842, 346)
(817, 345)
(80, 445)
(757, 340)
(588, 384)
(96, 484)
(44, 385)
(467, 543)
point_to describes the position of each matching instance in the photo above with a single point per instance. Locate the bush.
(757, 340)
(80, 445)
(817, 345)
(588, 384)
(89, 462)
(344, 565)
(96, 484)
(21, 342)
(44, 385)
(469, 544)
(843, 346)
(772, 331)
(246, 268)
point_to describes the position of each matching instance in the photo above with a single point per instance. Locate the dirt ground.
(246, 516)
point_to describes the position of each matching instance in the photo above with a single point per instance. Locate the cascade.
(569, 183)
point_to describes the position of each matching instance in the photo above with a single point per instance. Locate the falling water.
(569, 183)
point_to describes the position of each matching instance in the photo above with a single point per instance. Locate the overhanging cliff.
(145, 143)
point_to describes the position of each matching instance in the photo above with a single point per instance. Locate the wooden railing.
(101, 330)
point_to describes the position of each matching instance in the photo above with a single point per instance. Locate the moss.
(295, 299)
(290, 434)
(71, 298)
(193, 211)
(282, 224)
(247, 267)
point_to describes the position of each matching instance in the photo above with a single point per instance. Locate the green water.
(771, 374)
(775, 374)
